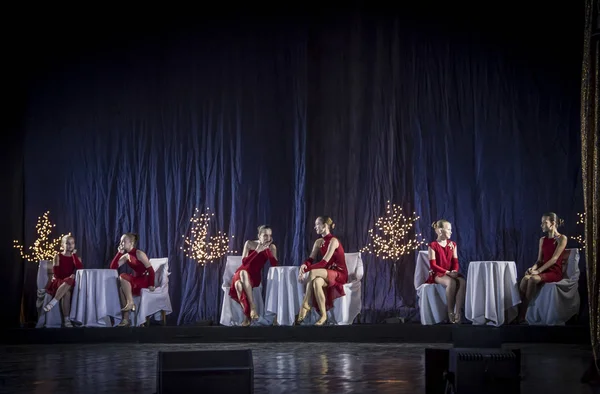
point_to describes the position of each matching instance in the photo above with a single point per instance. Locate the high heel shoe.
(321, 321)
(129, 307)
(302, 314)
(451, 317)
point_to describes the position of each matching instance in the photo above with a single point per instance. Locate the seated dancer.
(443, 261)
(328, 276)
(248, 275)
(548, 267)
(63, 278)
(131, 285)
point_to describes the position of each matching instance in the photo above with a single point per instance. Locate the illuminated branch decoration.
(201, 247)
(580, 238)
(391, 237)
(44, 248)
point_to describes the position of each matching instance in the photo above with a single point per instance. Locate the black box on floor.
(228, 371)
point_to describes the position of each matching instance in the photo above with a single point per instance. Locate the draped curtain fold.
(281, 123)
(590, 141)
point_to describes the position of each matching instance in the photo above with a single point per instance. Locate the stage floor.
(358, 333)
(278, 367)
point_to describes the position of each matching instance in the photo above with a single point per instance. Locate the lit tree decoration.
(44, 248)
(580, 238)
(390, 236)
(201, 247)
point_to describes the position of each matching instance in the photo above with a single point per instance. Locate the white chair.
(347, 308)
(155, 303)
(232, 313)
(557, 302)
(52, 319)
(433, 306)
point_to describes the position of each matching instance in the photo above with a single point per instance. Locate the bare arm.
(562, 243)
(246, 249)
(316, 247)
(273, 250)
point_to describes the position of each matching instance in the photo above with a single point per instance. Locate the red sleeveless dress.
(554, 272)
(67, 265)
(141, 279)
(444, 260)
(337, 273)
(252, 264)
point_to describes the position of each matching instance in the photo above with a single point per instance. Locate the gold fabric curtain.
(589, 161)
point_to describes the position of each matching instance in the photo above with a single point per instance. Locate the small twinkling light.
(581, 238)
(391, 237)
(43, 248)
(201, 247)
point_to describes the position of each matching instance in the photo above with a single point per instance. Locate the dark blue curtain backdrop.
(279, 123)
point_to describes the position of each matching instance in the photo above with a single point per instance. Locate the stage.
(358, 333)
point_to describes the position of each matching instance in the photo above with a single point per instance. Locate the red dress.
(337, 272)
(67, 265)
(252, 264)
(554, 272)
(141, 279)
(444, 260)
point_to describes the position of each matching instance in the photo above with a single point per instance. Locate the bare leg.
(523, 305)
(66, 308)
(126, 297)
(239, 288)
(60, 293)
(306, 302)
(450, 285)
(247, 284)
(318, 285)
(460, 297)
(126, 287)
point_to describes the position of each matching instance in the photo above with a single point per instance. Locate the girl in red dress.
(248, 275)
(548, 267)
(63, 278)
(328, 276)
(443, 261)
(131, 285)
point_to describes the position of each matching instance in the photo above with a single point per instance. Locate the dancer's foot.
(67, 323)
(253, 314)
(304, 309)
(322, 320)
(124, 323)
(129, 307)
(246, 322)
(50, 305)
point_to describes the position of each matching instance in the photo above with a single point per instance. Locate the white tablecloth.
(284, 294)
(492, 292)
(95, 298)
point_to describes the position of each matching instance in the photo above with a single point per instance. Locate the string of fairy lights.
(44, 247)
(580, 238)
(201, 247)
(391, 237)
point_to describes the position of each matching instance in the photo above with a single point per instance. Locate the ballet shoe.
(321, 321)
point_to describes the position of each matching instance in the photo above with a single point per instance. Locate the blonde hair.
(63, 241)
(263, 228)
(328, 221)
(439, 224)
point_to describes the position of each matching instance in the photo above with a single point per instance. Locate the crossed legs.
(244, 285)
(63, 295)
(315, 287)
